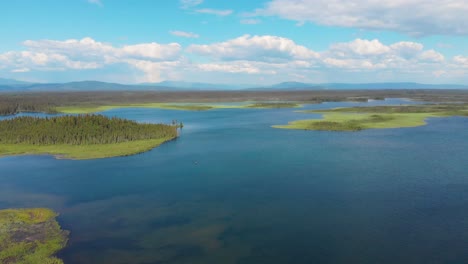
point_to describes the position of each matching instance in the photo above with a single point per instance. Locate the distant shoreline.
(54, 102)
(375, 117)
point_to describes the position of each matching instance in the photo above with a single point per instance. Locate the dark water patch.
(79, 252)
(233, 234)
(103, 244)
(169, 221)
(181, 252)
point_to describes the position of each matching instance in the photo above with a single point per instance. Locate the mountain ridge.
(11, 85)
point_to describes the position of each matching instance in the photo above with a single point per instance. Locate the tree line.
(80, 130)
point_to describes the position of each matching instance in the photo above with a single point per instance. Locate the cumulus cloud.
(372, 54)
(360, 47)
(87, 53)
(89, 49)
(412, 17)
(461, 61)
(217, 12)
(269, 57)
(184, 34)
(255, 48)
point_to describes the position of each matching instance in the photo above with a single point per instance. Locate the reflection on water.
(232, 189)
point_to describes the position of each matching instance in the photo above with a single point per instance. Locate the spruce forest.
(80, 130)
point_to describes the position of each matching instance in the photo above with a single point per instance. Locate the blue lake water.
(231, 189)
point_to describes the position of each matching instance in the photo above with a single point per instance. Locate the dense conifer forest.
(80, 130)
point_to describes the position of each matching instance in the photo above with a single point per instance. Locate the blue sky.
(243, 41)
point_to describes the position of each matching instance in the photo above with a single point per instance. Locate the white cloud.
(431, 56)
(272, 58)
(238, 67)
(89, 49)
(184, 34)
(372, 54)
(151, 51)
(255, 48)
(413, 17)
(461, 60)
(21, 70)
(185, 4)
(217, 12)
(271, 55)
(96, 2)
(250, 21)
(361, 47)
(407, 49)
(73, 54)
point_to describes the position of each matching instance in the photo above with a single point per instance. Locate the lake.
(231, 189)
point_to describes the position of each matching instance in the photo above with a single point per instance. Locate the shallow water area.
(231, 189)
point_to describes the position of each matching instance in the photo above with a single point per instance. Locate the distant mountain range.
(9, 85)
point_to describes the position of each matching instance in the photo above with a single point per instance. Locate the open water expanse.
(231, 189)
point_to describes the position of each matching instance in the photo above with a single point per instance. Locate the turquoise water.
(232, 189)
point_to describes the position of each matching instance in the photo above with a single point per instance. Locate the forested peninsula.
(81, 136)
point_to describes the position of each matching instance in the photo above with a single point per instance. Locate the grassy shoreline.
(377, 117)
(83, 152)
(81, 136)
(176, 106)
(30, 236)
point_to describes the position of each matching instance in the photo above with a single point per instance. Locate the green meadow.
(376, 117)
(82, 152)
(86, 109)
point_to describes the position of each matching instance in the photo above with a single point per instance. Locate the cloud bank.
(412, 17)
(260, 55)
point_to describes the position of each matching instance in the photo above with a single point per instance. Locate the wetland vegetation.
(360, 118)
(30, 236)
(90, 102)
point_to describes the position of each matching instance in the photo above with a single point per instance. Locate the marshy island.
(30, 236)
(360, 118)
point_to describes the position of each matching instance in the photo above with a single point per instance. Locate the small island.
(30, 236)
(273, 105)
(87, 109)
(82, 136)
(360, 118)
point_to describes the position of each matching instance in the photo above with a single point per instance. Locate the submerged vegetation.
(30, 236)
(84, 136)
(360, 118)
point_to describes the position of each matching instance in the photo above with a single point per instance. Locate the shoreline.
(83, 152)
